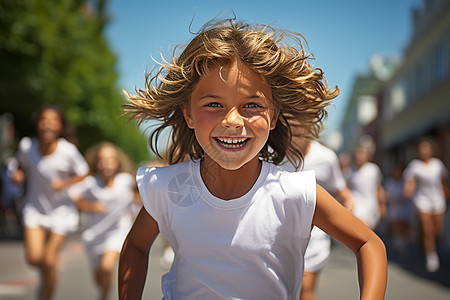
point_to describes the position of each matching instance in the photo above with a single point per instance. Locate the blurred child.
(105, 196)
(398, 209)
(366, 184)
(238, 224)
(50, 164)
(425, 182)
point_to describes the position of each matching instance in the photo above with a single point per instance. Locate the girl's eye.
(252, 105)
(213, 104)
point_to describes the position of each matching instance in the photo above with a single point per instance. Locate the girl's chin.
(48, 138)
(229, 164)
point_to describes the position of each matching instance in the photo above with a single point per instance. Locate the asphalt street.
(407, 276)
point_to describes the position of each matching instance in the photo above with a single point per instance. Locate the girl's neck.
(426, 160)
(108, 180)
(229, 184)
(47, 148)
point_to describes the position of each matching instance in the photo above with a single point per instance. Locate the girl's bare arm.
(410, 187)
(18, 176)
(60, 184)
(133, 260)
(369, 250)
(89, 206)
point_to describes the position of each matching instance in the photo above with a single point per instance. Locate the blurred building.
(364, 109)
(398, 102)
(416, 99)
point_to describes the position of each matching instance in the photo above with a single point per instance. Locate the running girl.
(238, 224)
(50, 164)
(106, 197)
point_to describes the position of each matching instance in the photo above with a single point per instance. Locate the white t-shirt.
(325, 163)
(429, 191)
(251, 247)
(117, 199)
(66, 161)
(363, 183)
(106, 231)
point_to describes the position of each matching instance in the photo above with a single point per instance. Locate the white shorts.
(61, 220)
(109, 241)
(369, 217)
(430, 205)
(317, 251)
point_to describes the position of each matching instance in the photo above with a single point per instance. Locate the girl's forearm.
(74, 179)
(372, 269)
(60, 184)
(132, 272)
(89, 206)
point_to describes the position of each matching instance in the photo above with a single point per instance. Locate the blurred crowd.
(50, 190)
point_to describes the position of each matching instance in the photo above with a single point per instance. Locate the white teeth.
(232, 140)
(232, 143)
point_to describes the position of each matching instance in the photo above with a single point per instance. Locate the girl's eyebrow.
(256, 96)
(210, 96)
(250, 97)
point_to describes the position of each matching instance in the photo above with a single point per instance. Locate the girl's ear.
(274, 119)
(187, 117)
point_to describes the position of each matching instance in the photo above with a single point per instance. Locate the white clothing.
(429, 194)
(325, 163)
(106, 231)
(398, 207)
(61, 220)
(363, 183)
(251, 247)
(43, 206)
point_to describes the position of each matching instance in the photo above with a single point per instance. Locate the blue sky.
(342, 34)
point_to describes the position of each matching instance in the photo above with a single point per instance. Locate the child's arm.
(410, 187)
(445, 188)
(381, 197)
(344, 196)
(60, 184)
(136, 195)
(18, 176)
(133, 259)
(369, 250)
(89, 206)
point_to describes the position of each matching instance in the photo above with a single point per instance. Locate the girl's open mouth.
(232, 143)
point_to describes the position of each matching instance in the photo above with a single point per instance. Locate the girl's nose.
(233, 119)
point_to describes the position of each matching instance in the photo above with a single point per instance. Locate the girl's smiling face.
(232, 112)
(107, 162)
(49, 126)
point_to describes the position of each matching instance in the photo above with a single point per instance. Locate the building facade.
(398, 102)
(416, 99)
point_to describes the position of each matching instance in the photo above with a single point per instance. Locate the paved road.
(407, 277)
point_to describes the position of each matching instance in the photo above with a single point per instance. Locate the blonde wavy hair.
(299, 91)
(125, 164)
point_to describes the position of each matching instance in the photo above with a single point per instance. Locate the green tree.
(55, 52)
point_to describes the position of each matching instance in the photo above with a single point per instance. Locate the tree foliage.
(54, 52)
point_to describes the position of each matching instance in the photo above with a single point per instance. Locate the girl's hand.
(409, 188)
(58, 184)
(98, 207)
(18, 176)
